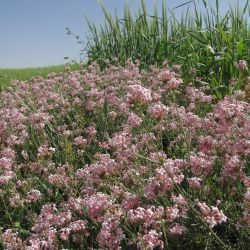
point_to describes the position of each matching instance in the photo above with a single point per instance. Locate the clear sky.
(33, 31)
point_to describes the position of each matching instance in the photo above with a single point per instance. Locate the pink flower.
(165, 178)
(205, 210)
(80, 142)
(39, 120)
(176, 229)
(218, 215)
(137, 93)
(120, 140)
(194, 182)
(8, 153)
(151, 240)
(173, 84)
(233, 168)
(194, 94)
(137, 215)
(33, 196)
(134, 120)
(7, 177)
(206, 144)
(158, 186)
(110, 235)
(5, 163)
(45, 151)
(166, 75)
(90, 105)
(11, 240)
(112, 115)
(16, 201)
(172, 213)
(146, 216)
(158, 156)
(130, 201)
(91, 132)
(93, 172)
(212, 216)
(78, 226)
(201, 164)
(241, 65)
(59, 180)
(158, 110)
(179, 200)
(96, 205)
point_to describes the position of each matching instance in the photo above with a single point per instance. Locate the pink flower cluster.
(165, 179)
(139, 94)
(114, 158)
(110, 235)
(241, 65)
(158, 110)
(213, 215)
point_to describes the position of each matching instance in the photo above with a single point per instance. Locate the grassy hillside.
(6, 75)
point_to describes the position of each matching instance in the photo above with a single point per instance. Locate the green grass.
(208, 43)
(7, 75)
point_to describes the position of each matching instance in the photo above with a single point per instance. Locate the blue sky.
(33, 31)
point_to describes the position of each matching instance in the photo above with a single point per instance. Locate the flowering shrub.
(122, 159)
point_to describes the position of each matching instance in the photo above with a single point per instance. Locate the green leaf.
(197, 38)
(240, 47)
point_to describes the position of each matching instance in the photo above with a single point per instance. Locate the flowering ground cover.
(123, 159)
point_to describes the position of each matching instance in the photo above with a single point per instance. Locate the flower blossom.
(137, 93)
(213, 215)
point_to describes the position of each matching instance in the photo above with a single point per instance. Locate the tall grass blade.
(176, 7)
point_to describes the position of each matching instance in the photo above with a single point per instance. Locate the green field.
(7, 75)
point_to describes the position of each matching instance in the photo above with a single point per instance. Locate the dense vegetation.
(206, 45)
(133, 154)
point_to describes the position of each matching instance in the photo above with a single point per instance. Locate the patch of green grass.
(7, 75)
